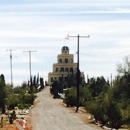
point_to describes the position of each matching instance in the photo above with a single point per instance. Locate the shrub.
(70, 97)
(114, 115)
(12, 101)
(23, 106)
(27, 98)
(97, 110)
(106, 112)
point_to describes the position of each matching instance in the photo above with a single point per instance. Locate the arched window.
(56, 69)
(62, 69)
(60, 60)
(71, 69)
(66, 69)
(66, 60)
(51, 79)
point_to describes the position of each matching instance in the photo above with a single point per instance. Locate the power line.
(104, 54)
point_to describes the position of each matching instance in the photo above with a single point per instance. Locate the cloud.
(42, 26)
(72, 7)
(25, 34)
(124, 43)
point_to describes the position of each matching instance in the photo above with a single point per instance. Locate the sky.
(41, 26)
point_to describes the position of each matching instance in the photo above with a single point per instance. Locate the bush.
(106, 112)
(27, 98)
(114, 115)
(21, 100)
(12, 101)
(23, 106)
(70, 97)
(97, 110)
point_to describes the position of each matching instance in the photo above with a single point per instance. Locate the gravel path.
(48, 114)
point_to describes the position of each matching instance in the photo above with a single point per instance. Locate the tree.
(105, 111)
(34, 82)
(12, 117)
(38, 78)
(98, 85)
(114, 115)
(24, 85)
(54, 89)
(85, 94)
(70, 97)
(2, 93)
(92, 86)
(120, 93)
(31, 85)
(72, 79)
(13, 100)
(97, 108)
(125, 67)
(41, 83)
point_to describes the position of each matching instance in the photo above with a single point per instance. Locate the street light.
(78, 74)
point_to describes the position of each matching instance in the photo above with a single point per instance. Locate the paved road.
(48, 114)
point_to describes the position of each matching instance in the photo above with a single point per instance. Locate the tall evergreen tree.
(38, 78)
(2, 93)
(41, 83)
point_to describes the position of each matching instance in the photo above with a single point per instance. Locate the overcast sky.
(41, 26)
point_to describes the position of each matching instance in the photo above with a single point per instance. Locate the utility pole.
(11, 67)
(29, 63)
(78, 73)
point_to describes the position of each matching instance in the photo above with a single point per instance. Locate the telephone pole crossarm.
(78, 72)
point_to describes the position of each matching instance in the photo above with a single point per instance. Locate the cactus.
(12, 117)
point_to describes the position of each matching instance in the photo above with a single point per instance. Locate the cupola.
(65, 50)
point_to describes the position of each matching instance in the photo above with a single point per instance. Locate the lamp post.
(78, 73)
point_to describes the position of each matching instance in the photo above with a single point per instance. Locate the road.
(48, 114)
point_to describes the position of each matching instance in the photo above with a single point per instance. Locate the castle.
(65, 64)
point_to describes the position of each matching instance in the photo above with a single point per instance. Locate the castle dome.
(65, 50)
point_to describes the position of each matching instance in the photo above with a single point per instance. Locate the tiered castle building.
(65, 64)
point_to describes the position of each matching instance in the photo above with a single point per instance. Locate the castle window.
(51, 79)
(60, 78)
(62, 69)
(66, 60)
(56, 69)
(65, 78)
(60, 60)
(66, 69)
(71, 69)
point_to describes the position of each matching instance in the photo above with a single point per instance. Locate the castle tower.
(65, 64)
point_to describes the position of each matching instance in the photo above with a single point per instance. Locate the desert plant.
(70, 97)
(12, 117)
